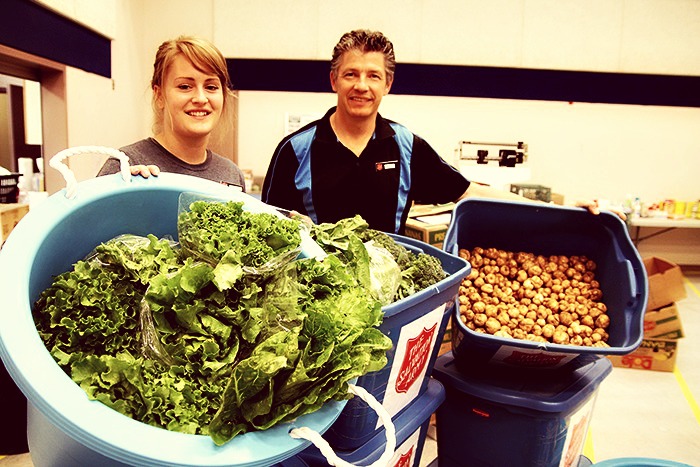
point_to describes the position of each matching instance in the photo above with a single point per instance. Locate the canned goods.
(692, 210)
(679, 209)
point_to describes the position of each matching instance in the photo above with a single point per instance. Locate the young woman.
(191, 94)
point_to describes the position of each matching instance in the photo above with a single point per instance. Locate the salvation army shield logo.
(405, 459)
(415, 359)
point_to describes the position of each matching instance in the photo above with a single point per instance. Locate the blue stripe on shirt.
(301, 143)
(404, 139)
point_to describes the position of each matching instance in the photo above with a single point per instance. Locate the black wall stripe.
(27, 26)
(31, 28)
(486, 82)
(252, 74)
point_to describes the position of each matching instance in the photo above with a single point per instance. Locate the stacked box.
(520, 402)
(10, 215)
(416, 325)
(496, 417)
(665, 282)
(64, 427)
(662, 322)
(49, 240)
(652, 354)
(294, 461)
(547, 229)
(411, 429)
(428, 223)
(432, 233)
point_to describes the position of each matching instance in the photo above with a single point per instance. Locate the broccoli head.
(423, 271)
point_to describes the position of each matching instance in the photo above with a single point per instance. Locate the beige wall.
(103, 111)
(5, 147)
(581, 150)
(637, 36)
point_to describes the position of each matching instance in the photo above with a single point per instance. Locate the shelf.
(664, 224)
(660, 222)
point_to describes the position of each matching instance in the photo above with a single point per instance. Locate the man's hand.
(145, 170)
(593, 208)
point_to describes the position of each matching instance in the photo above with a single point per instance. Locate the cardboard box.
(446, 345)
(431, 233)
(10, 215)
(665, 282)
(652, 354)
(659, 347)
(664, 323)
(429, 222)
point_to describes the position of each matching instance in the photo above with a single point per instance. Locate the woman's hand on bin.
(145, 170)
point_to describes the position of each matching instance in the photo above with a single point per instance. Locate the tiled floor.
(647, 414)
(655, 414)
(637, 413)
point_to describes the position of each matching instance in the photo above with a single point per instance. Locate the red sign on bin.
(415, 359)
(405, 459)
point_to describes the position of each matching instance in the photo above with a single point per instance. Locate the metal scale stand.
(506, 157)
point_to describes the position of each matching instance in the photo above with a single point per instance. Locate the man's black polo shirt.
(315, 174)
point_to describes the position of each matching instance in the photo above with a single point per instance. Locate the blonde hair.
(203, 55)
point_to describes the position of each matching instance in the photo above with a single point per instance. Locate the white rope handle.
(327, 450)
(71, 183)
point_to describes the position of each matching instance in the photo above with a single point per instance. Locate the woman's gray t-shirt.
(149, 152)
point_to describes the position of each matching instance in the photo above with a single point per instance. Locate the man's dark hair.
(365, 41)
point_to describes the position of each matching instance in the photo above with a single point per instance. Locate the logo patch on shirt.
(387, 165)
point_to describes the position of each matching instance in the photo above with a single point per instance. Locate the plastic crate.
(416, 325)
(14, 414)
(9, 188)
(552, 230)
(294, 461)
(493, 417)
(65, 427)
(639, 462)
(411, 430)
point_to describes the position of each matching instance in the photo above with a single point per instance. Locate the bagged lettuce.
(214, 335)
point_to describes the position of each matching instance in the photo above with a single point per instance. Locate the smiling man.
(352, 161)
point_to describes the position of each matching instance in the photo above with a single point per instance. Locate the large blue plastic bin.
(415, 325)
(411, 430)
(639, 462)
(552, 230)
(492, 417)
(64, 426)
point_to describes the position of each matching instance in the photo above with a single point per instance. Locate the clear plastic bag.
(287, 252)
(151, 347)
(385, 274)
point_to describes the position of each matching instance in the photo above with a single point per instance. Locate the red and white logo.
(405, 459)
(415, 359)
